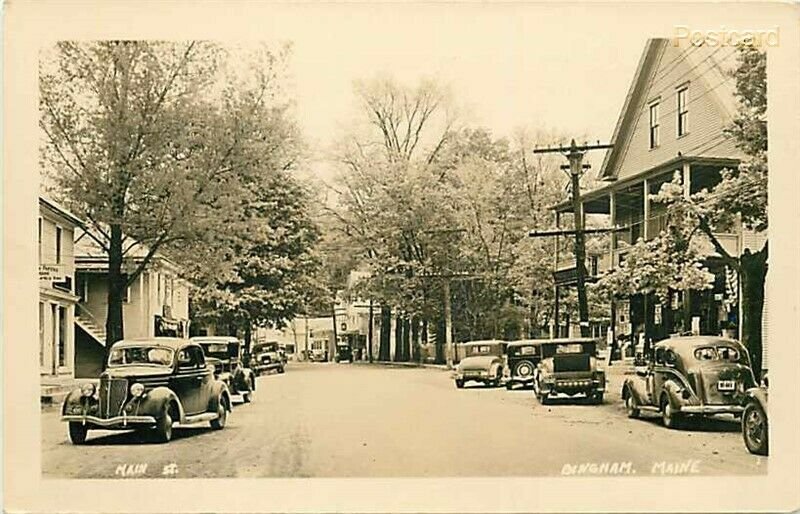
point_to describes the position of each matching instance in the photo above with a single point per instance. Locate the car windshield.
(218, 350)
(717, 353)
(267, 347)
(138, 355)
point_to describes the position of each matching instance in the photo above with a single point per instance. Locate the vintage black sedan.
(226, 355)
(483, 363)
(690, 376)
(149, 383)
(522, 357)
(568, 369)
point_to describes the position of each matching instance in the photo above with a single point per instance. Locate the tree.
(153, 143)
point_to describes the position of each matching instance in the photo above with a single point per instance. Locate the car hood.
(134, 371)
(478, 362)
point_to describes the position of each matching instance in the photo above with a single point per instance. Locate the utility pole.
(370, 329)
(448, 326)
(574, 154)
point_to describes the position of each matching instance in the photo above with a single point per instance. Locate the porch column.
(687, 180)
(556, 313)
(612, 207)
(646, 220)
(555, 241)
(69, 345)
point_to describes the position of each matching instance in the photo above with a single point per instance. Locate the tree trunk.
(386, 326)
(370, 329)
(398, 338)
(440, 324)
(116, 287)
(406, 339)
(416, 354)
(753, 276)
(248, 337)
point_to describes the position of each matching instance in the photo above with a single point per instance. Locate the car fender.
(758, 395)
(673, 392)
(72, 398)
(219, 390)
(153, 402)
(496, 369)
(636, 389)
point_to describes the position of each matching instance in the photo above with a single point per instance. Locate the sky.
(507, 66)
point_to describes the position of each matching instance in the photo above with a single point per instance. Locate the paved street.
(330, 420)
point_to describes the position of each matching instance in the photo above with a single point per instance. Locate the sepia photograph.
(404, 241)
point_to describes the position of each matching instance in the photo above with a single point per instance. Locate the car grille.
(113, 393)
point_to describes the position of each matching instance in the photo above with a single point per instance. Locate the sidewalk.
(391, 364)
(55, 389)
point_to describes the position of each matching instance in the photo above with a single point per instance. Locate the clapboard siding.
(710, 104)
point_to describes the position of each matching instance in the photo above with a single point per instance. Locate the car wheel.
(281, 370)
(164, 426)
(669, 417)
(509, 385)
(597, 398)
(631, 407)
(77, 432)
(459, 384)
(251, 388)
(755, 429)
(222, 416)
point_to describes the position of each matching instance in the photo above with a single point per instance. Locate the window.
(593, 265)
(41, 333)
(62, 337)
(40, 240)
(58, 245)
(126, 295)
(683, 112)
(654, 126)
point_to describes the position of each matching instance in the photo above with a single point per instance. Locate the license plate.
(726, 385)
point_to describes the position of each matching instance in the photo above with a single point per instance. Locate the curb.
(388, 364)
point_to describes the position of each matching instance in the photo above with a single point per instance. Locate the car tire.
(77, 432)
(597, 398)
(459, 384)
(755, 429)
(631, 406)
(669, 417)
(163, 431)
(251, 387)
(509, 385)
(281, 370)
(222, 416)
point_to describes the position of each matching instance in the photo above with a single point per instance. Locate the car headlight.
(137, 390)
(88, 389)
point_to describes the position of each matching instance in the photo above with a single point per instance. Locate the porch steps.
(90, 327)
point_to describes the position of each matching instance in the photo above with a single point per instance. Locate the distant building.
(155, 304)
(57, 297)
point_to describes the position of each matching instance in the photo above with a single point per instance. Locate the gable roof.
(703, 63)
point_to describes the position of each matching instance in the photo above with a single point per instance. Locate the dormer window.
(683, 111)
(654, 125)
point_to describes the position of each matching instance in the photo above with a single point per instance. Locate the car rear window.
(526, 350)
(714, 353)
(569, 348)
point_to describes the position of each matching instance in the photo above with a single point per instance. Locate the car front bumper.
(115, 422)
(712, 409)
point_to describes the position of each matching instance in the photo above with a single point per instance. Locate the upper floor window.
(58, 245)
(683, 112)
(654, 125)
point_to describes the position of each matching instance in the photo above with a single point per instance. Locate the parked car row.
(152, 383)
(682, 378)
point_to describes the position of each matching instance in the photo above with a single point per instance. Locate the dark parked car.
(226, 354)
(690, 376)
(149, 384)
(568, 368)
(483, 363)
(755, 424)
(522, 357)
(344, 353)
(265, 357)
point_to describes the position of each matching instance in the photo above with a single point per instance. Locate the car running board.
(198, 418)
(649, 408)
